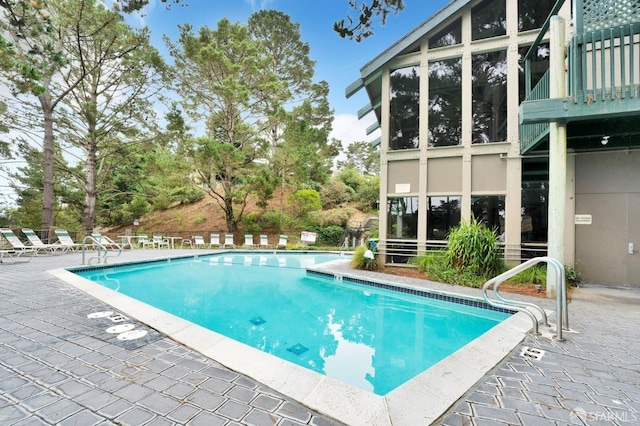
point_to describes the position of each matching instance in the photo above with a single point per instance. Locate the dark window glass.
(489, 209)
(450, 35)
(445, 102)
(443, 214)
(533, 13)
(489, 97)
(404, 108)
(539, 66)
(489, 19)
(402, 218)
(535, 200)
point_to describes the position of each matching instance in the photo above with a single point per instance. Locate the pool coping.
(421, 400)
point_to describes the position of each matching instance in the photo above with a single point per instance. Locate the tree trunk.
(89, 212)
(48, 162)
(232, 225)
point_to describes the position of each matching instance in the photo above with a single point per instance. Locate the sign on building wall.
(583, 219)
(403, 188)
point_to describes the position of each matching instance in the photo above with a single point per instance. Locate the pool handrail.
(562, 315)
(99, 247)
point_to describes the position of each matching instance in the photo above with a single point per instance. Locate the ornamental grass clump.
(474, 248)
(366, 259)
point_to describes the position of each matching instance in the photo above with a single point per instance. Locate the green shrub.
(351, 178)
(369, 193)
(329, 235)
(304, 201)
(251, 222)
(474, 248)
(533, 275)
(335, 193)
(199, 219)
(358, 261)
(572, 275)
(337, 217)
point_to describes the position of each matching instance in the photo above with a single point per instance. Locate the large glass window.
(445, 102)
(443, 214)
(489, 86)
(489, 19)
(450, 35)
(489, 209)
(402, 218)
(539, 66)
(535, 200)
(404, 105)
(533, 13)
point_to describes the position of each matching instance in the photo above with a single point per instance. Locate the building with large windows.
(469, 118)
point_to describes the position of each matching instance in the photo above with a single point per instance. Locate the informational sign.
(403, 188)
(583, 219)
(308, 237)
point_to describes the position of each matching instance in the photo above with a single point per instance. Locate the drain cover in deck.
(532, 353)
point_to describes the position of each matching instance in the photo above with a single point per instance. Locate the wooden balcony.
(603, 84)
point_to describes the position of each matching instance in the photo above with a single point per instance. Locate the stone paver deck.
(59, 367)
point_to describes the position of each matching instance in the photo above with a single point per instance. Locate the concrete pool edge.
(421, 400)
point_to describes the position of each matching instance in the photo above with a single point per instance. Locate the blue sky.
(338, 61)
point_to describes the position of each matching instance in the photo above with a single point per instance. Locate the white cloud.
(260, 4)
(348, 129)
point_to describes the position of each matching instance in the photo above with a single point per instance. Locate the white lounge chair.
(37, 243)
(159, 242)
(65, 240)
(214, 240)
(13, 255)
(106, 242)
(282, 242)
(228, 241)
(264, 241)
(248, 241)
(198, 241)
(144, 241)
(16, 244)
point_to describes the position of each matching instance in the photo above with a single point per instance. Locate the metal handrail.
(101, 258)
(562, 315)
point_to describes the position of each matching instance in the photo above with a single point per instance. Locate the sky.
(338, 61)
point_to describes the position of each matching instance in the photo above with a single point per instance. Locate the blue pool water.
(370, 337)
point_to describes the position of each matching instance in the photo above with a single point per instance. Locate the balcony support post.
(557, 153)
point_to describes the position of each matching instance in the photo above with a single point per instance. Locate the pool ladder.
(562, 315)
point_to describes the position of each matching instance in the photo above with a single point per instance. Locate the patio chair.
(144, 241)
(159, 242)
(282, 242)
(13, 255)
(214, 240)
(198, 241)
(65, 240)
(16, 244)
(228, 241)
(106, 242)
(248, 241)
(264, 241)
(37, 243)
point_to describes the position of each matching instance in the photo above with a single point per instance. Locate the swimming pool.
(419, 400)
(372, 338)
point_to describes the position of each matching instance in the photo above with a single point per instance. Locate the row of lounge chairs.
(35, 246)
(65, 243)
(214, 242)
